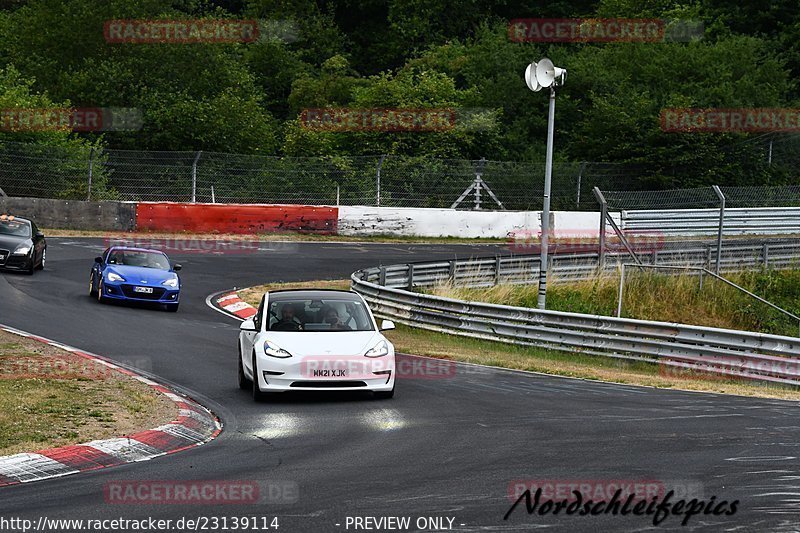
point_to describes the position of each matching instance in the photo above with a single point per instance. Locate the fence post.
(452, 272)
(410, 276)
(601, 254)
(194, 176)
(580, 175)
(378, 181)
(89, 182)
(765, 254)
(382, 276)
(721, 225)
(497, 270)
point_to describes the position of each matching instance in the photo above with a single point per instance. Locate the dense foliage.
(247, 97)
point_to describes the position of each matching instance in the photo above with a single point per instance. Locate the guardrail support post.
(619, 294)
(452, 272)
(721, 225)
(765, 255)
(410, 276)
(382, 277)
(497, 270)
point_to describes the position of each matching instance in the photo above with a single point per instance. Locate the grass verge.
(672, 298)
(457, 348)
(50, 397)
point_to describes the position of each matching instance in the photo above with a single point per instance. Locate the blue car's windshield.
(139, 259)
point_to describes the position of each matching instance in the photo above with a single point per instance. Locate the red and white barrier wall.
(354, 220)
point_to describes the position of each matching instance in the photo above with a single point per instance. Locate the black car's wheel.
(257, 394)
(43, 260)
(92, 290)
(32, 266)
(244, 383)
(171, 307)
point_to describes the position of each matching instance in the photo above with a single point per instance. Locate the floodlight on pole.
(537, 76)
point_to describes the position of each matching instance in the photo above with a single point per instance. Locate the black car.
(22, 245)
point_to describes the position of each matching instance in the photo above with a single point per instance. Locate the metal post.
(548, 174)
(194, 176)
(337, 194)
(91, 169)
(410, 276)
(765, 254)
(497, 270)
(721, 224)
(477, 193)
(769, 157)
(452, 272)
(601, 257)
(619, 294)
(382, 276)
(378, 181)
(213, 198)
(580, 175)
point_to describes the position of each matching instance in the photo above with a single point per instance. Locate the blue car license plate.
(146, 290)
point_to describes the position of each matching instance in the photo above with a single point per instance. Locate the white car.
(302, 340)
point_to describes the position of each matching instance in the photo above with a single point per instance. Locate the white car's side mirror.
(248, 325)
(386, 325)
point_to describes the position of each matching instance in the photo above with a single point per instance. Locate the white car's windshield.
(318, 315)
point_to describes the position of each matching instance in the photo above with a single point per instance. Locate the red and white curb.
(194, 426)
(231, 304)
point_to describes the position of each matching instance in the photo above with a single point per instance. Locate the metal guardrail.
(388, 290)
(524, 269)
(699, 222)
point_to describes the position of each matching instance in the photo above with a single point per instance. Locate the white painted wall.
(358, 220)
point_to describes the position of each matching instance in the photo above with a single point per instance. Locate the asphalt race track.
(447, 447)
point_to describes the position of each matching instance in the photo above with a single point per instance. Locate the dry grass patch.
(50, 398)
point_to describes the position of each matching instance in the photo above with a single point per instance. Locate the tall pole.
(548, 174)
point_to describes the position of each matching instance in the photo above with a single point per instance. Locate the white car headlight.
(22, 250)
(171, 282)
(274, 351)
(379, 350)
(111, 276)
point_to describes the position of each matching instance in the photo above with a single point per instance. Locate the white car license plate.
(329, 373)
(146, 290)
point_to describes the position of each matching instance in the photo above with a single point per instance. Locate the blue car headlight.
(113, 276)
(173, 283)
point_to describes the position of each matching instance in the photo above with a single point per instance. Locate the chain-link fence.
(397, 181)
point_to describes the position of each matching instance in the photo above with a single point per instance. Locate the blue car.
(137, 275)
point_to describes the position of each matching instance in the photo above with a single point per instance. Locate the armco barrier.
(235, 218)
(700, 222)
(723, 352)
